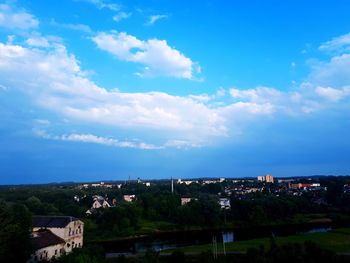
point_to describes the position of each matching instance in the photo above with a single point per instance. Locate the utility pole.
(215, 248)
(223, 243)
(172, 185)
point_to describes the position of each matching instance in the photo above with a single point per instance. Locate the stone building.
(53, 236)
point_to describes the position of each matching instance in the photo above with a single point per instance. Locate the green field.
(336, 240)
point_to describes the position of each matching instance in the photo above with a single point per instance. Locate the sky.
(94, 90)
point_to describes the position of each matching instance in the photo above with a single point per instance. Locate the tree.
(15, 222)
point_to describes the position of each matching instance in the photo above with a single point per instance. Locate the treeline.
(15, 223)
(156, 208)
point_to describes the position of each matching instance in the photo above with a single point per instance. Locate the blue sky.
(100, 90)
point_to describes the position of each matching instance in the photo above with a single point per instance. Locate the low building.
(100, 202)
(185, 200)
(46, 245)
(129, 198)
(304, 186)
(53, 236)
(224, 203)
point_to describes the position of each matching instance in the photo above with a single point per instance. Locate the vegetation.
(157, 209)
(273, 253)
(15, 221)
(336, 240)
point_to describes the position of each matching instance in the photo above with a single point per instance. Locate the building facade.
(53, 236)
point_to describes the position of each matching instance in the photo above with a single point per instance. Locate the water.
(172, 240)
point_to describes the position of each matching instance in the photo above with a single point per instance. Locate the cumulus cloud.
(333, 94)
(158, 57)
(16, 19)
(338, 44)
(38, 42)
(335, 72)
(153, 19)
(120, 16)
(53, 79)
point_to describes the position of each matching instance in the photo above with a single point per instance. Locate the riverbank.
(151, 228)
(337, 240)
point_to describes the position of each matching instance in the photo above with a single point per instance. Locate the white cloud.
(335, 72)
(333, 94)
(120, 16)
(153, 19)
(91, 138)
(77, 27)
(16, 19)
(259, 94)
(338, 44)
(201, 97)
(101, 4)
(52, 77)
(158, 57)
(38, 42)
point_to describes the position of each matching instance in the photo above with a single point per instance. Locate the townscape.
(164, 131)
(67, 217)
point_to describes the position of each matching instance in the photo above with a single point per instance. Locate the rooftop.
(52, 221)
(45, 238)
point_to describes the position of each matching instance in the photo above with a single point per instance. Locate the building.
(100, 202)
(186, 182)
(185, 200)
(261, 178)
(129, 198)
(224, 203)
(267, 178)
(304, 186)
(53, 236)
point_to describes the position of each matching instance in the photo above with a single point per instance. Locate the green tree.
(15, 221)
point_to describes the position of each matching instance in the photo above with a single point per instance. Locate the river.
(171, 240)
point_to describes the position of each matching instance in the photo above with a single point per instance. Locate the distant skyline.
(94, 90)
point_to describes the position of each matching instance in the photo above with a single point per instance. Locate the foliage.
(15, 223)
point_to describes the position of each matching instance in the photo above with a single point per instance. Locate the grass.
(336, 240)
(149, 227)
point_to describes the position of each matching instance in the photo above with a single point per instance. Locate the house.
(185, 200)
(53, 236)
(224, 203)
(46, 245)
(100, 202)
(129, 198)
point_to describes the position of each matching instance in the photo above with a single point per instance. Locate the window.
(56, 252)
